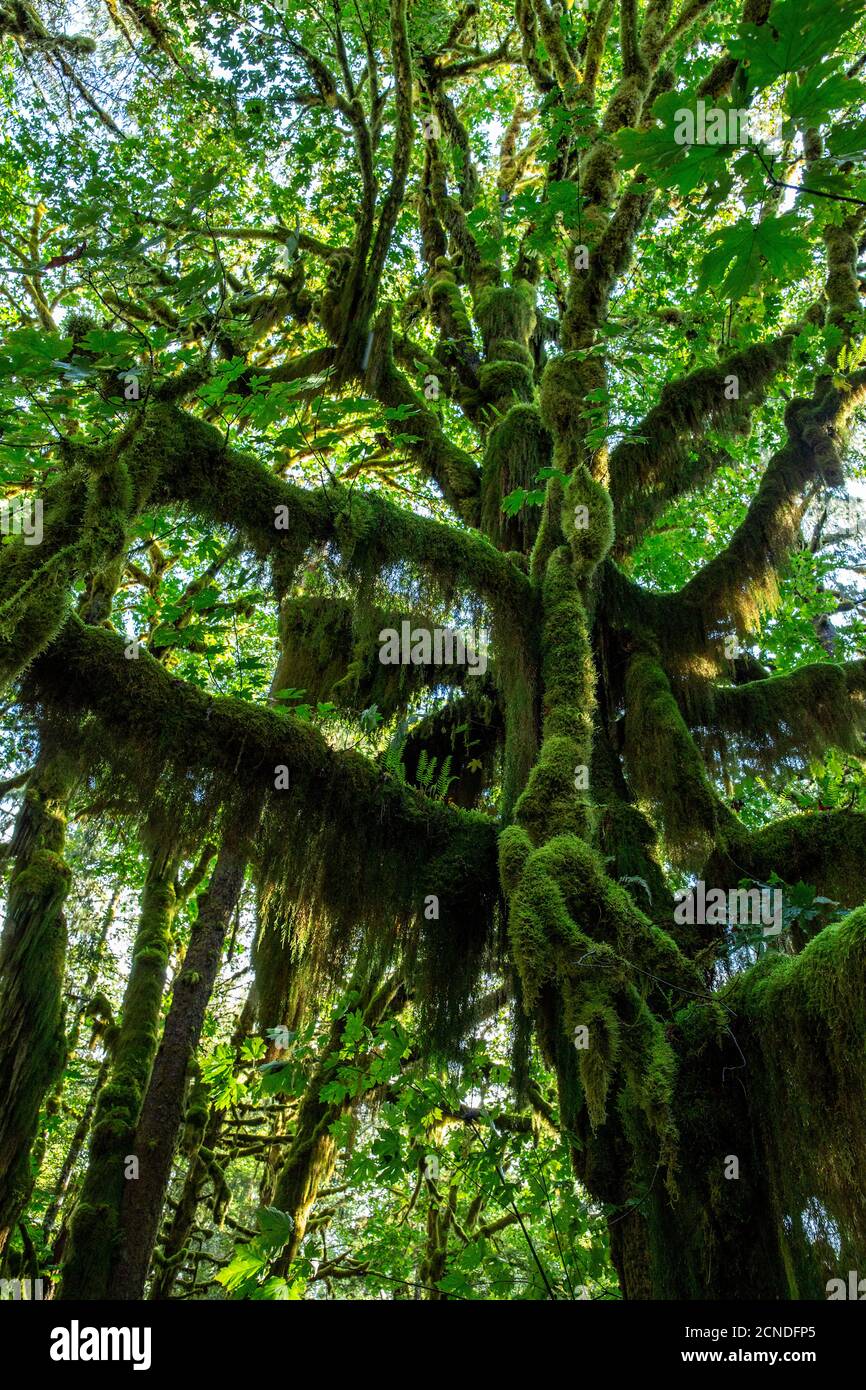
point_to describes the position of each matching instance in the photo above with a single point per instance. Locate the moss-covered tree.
(540, 320)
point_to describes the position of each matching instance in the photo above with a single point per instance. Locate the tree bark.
(162, 1111)
(94, 1223)
(32, 963)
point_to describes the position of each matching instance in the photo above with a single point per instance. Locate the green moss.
(551, 804)
(565, 385)
(666, 768)
(446, 303)
(505, 313)
(539, 926)
(502, 381)
(649, 471)
(330, 649)
(35, 579)
(825, 849)
(507, 351)
(587, 521)
(518, 448)
(781, 723)
(568, 670)
(517, 678)
(446, 968)
(598, 1060)
(515, 848)
(804, 1017)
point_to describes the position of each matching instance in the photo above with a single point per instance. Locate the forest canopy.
(432, 807)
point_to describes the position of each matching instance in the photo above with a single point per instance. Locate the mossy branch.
(648, 472)
(778, 723)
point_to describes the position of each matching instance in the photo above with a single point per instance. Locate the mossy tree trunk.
(161, 1115)
(32, 971)
(615, 698)
(94, 1226)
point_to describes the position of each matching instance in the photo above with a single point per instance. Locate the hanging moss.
(447, 969)
(825, 849)
(519, 447)
(281, 976)
(781, 723)
(505, 314)
(598, 1060)
(771, 1074)
(648, 471)
(35, 579)
(800, 1022)
(735, 589)
(516, 649)
(741, 582)
(339, 821)
(330, 649)
(627, 838)
(666, 768)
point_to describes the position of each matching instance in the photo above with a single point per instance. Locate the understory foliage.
(339, 960)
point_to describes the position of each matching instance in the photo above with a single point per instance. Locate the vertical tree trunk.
(162, 1111)
(32, 963)
(94, 1224)
(76, 1144)
(183, 1219)
(82, 1128)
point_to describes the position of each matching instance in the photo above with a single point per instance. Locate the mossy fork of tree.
(476, 342)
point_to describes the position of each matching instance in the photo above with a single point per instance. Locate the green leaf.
(246, 1263)
(798, 34)
(276, 1227)
(749, 252)
(811, 97)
